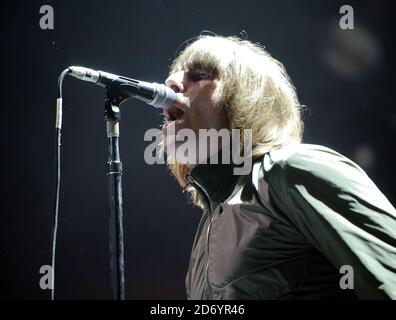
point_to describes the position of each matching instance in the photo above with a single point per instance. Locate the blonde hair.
(256, 92)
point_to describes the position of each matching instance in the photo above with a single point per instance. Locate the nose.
(175, 81)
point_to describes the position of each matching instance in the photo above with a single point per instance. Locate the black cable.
(58, 126)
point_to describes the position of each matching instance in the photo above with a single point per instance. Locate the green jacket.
(305, 221)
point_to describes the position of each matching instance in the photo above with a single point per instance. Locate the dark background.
(345, 78)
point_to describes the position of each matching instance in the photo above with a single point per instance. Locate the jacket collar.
(216, 180)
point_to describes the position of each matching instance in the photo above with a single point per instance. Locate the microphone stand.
(112, 117)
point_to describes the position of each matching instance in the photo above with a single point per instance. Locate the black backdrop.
(344, 77)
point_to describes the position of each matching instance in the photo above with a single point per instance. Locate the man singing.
(304, 222)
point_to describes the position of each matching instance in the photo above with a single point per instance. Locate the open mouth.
(173, 113)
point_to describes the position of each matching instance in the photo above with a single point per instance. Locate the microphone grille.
(164, 96)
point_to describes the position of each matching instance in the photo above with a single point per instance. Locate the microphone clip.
(112, 105)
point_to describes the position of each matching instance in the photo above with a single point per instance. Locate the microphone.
(154, 94)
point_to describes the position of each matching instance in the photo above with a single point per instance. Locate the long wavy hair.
(256, 93)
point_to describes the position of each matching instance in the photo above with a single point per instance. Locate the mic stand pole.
(112, 117)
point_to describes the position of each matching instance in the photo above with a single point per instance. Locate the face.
(196, 107)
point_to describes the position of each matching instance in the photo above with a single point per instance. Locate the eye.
(198, 75)
(203, 75)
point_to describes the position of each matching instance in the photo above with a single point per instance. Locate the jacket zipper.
(191, 180)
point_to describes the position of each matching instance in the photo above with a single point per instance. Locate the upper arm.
(341, 212)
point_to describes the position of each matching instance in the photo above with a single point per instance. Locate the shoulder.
(318, 161)
(307, 171)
